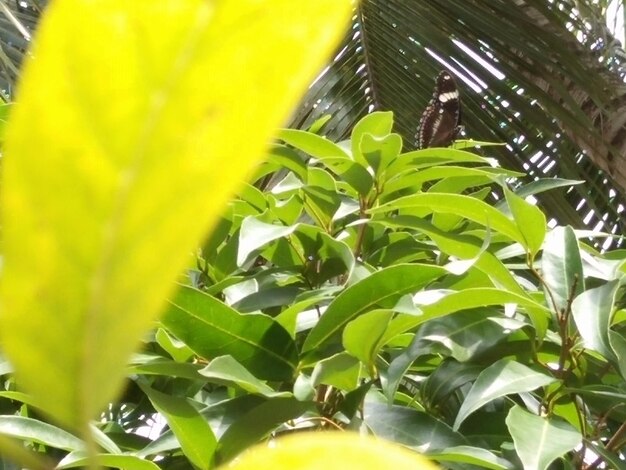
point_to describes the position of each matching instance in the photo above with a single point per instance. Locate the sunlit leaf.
(502, 378)
(141, 145)
(592, 312)
(539, 441)
(192, 431)
(562, 267)
(211, 328)
(226, 370)
(382, 287)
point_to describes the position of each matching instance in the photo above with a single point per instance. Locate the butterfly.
(440, 122)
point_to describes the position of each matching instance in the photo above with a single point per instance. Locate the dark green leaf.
(211, 329)
(464, 206)
(255, 234)
(192, 431)
(414, 429)
(258, 423)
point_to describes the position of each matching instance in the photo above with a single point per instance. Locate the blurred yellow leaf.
(135, 122)
(330, 451)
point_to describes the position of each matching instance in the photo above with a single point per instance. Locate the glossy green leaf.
(125, 462)
(285, 157)
(561, 267)
(341, 371)
(461, 336)
(192, 431)
(361, 337)
(446, 379)
(377, 124)
(539, 441)
(529, 219)
(425, 158)
(313, 144)
(379, 152)
(258, 423)
(321, 204)
(592, 311)
(212, 329)
(353, 173)
(168, 368)
(29, 429)
(226, 370)
(176, 349)
(464, 206)
(417, 178)
(140, 165)
(478, 297)
(378, 290)
(502, 378)
(255, 234)
(416, 430)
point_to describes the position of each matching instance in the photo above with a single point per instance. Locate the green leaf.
(379, 152)
(212, 329)
(447, 378)
(377, 124)
(529, 219)
(176, 349)
(470, 455)
(544, 184)
(380, 289)
(284, 157)
(29, 429)
(425, 158)
(561, 266)
(501, 378)
(125, 462)
(341, 371)
(539, 441)
(117, 180)
(255, 234)
(464, 206)
(313, 144)
(416, 430)
(192, 431)
(592, 312)
(258, 423)
(362, 336)
(226, 370)
(353, 173)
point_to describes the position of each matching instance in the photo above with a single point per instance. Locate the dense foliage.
(408, 295)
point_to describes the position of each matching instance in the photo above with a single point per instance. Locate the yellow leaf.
(330, 451)
(135, 121)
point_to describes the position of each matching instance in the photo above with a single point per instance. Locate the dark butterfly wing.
(439, 125)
